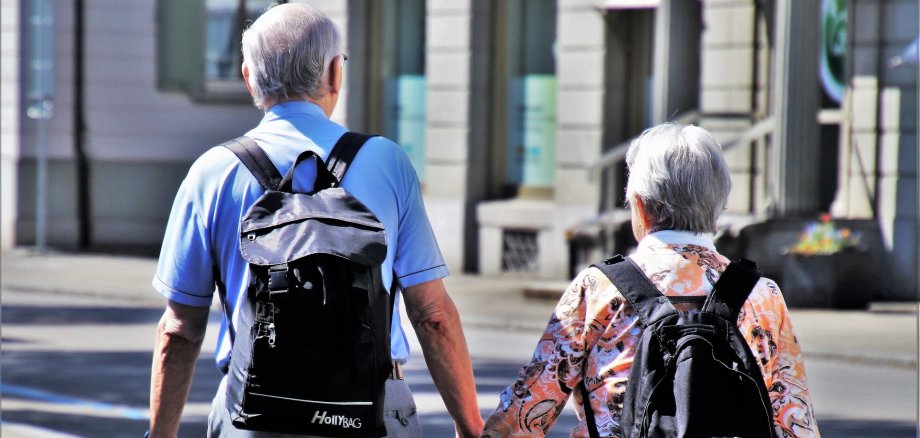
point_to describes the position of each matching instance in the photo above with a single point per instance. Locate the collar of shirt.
(296, 107)
(672, 237)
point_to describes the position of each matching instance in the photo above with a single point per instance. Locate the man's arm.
(179, 337)
(437, 324)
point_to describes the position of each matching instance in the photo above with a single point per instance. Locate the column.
(9, 122)
(447, 65)
(580, 67)
(795, 105)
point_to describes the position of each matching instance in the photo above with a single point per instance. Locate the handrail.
(616, 153)
(760, 129)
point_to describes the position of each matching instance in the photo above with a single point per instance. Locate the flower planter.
(841, 280)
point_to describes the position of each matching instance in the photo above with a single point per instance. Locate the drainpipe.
(84, 229)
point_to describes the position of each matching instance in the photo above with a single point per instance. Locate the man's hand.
(179, 337)
(437, 325)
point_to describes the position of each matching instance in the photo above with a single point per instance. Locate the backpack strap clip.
(278, 281)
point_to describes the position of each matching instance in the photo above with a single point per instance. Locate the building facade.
(516, 113)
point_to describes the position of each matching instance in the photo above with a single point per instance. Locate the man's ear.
(336, 73)
(245, 70)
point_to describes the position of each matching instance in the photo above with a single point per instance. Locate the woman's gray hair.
(681, 176)
(288, 51)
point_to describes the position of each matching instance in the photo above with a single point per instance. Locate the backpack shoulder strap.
(589, 411)
(344, 152)
(650, 304)
(732, 289)
(254, 158)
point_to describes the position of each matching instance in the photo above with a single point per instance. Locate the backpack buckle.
(614, 260)
(278, 281)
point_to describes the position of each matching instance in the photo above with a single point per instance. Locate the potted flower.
(826, 267)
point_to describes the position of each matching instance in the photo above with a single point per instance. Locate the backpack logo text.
(336, 420)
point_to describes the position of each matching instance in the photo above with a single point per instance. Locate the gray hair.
(288, 51)
(681, 176)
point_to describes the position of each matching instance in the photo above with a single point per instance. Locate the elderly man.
(293, 67)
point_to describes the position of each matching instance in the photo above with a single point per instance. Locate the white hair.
(288, 51)
(681, 176)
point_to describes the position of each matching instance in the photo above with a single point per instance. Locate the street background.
(78, 330)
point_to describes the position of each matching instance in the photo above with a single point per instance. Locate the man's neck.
(324, 103)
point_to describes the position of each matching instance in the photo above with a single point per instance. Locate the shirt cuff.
(180, 297)
(419, 277)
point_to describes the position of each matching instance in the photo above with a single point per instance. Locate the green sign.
(833, 47)
(539, 131)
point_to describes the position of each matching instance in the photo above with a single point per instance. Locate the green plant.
(823, 238)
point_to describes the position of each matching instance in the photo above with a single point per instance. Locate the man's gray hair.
(289, 50)
(681, 176)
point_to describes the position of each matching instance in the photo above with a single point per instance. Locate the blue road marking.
(37, 394)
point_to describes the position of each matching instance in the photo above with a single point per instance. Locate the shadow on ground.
(69, 315)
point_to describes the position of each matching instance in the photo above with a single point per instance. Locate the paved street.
(78, 330)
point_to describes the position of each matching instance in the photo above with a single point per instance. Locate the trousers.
(400, 415)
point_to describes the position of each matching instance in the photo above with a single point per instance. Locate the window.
(524, 99)
(198, 46)
(396, 83)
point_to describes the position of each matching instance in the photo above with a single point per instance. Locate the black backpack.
(312, 351)
(693, 374)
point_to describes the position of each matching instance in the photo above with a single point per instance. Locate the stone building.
(516, 114)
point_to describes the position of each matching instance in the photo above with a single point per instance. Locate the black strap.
(265, 172)
(344, 152)
(693, 299)
(732, 289)
(648, 302)
(254, 158)
(589, 411)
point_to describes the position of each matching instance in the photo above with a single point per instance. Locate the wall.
(140, 141)
(581, 50)
(884, 103)
(448, 67)
(727, 85)
(9, 119)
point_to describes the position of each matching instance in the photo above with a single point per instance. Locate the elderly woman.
(678, 186)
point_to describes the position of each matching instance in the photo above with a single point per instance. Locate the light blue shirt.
(203, 228)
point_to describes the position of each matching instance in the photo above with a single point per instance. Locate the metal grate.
(519, 251)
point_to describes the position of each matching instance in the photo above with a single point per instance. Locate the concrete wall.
(10, 115)
(581, 50)
(727, 84)
(448, 67)
(880, 163)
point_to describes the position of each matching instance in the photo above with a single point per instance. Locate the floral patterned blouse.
(593, 335)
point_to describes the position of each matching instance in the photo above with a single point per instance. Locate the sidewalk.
(886, 335)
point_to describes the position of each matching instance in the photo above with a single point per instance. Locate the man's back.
(220, 190)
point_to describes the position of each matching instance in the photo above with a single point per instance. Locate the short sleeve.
(184, 271)
(418, 257)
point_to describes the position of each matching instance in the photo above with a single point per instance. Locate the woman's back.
(593, 335)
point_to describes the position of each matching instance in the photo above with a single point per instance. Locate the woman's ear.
(641, 213)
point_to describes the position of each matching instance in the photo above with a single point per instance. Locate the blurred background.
(516, 114)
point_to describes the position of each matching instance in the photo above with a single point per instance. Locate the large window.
(524, 99)
(396, 84)
(198, 46)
